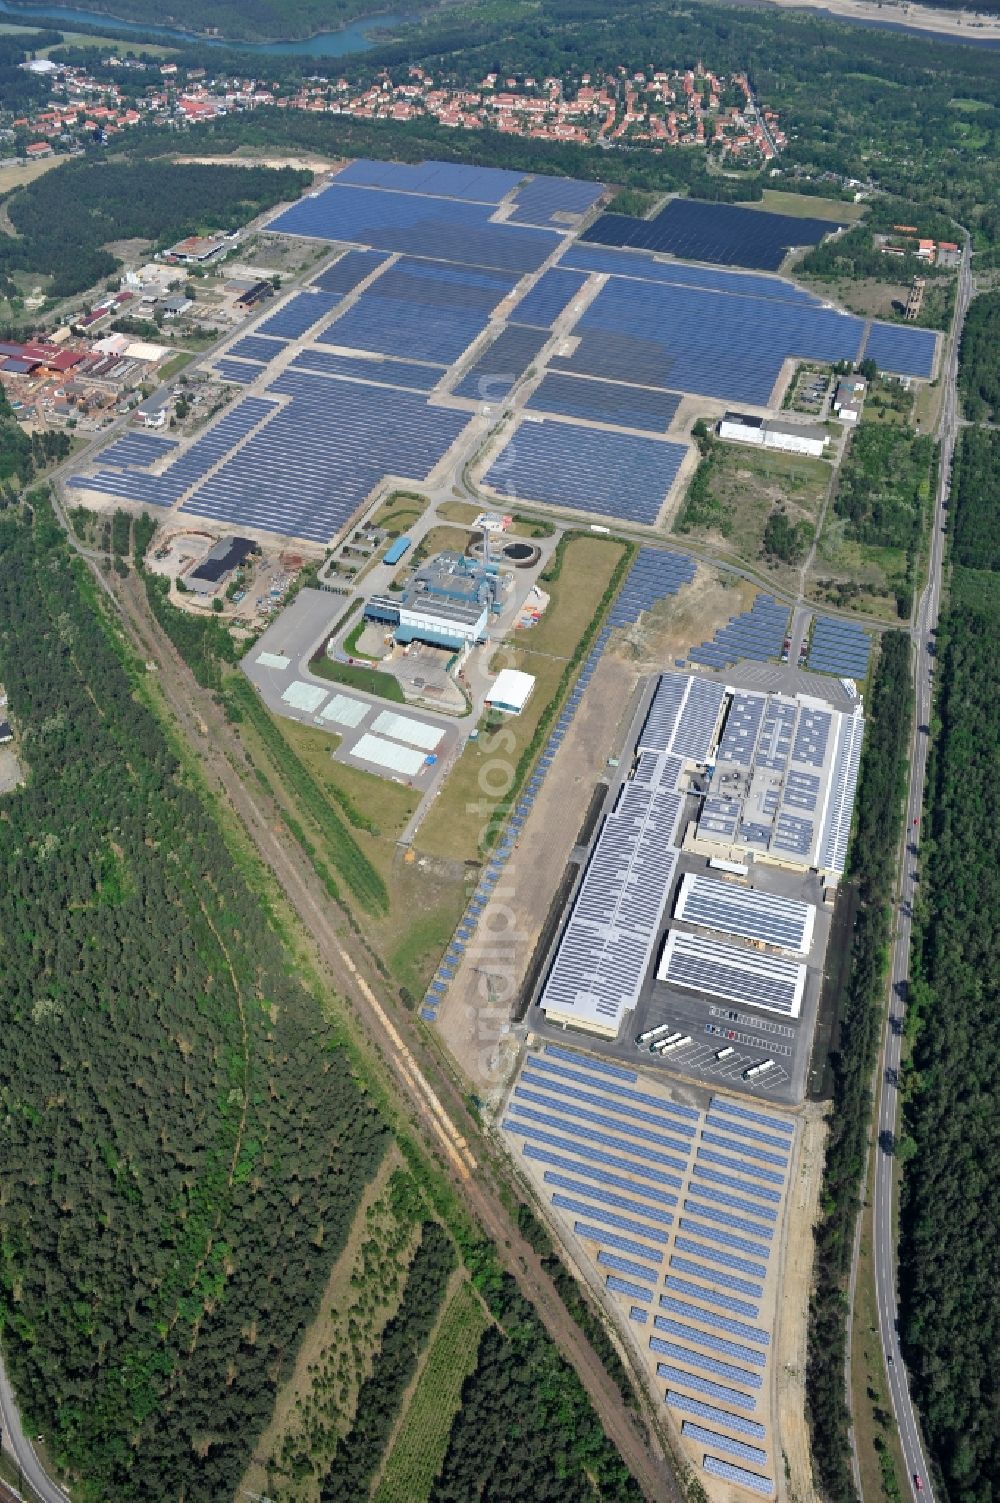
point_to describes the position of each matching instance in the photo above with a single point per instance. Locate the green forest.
(883, 490)
(951, 1145)
(65, 219)
(979, 369)
(186, 1141)
(871, 878)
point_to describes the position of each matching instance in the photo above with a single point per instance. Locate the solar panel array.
(901, 349)
(383, 370)
(485, 185)
(704, 965)
(417, 226)
(758, 634)
(553, 202)
(256, 347)
(501, 364)
(655, 574)
(746, 912)
(836, 829)
(187, 468)
(551, 295)
(606, 474)
(140, 450)
(300, 313)
(348, 271)
(721, 233)
(630, 263)
(242, 372)
(427, 310)
(839, 647)
(311, 466)
(605, 402)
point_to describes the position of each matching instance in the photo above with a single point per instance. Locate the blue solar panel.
(605, 402)
(586, 1149)
(496, 370)
(638, 264)
(712, 1317)
(839, 647)
(700, 340)
(577, 1103)
(548, 298)
(720, 1141)
(307, 471)
(625, 1265)
(240, 371)
(724, 1443)
(383, 371)
(776, 1124)
(591, 1134)
(715, 1275)
(611, 474)
(620, 1286)
(612, 1239)
(257, 347)
(601, 1176)
(608, 1197)
(139, 450)
(611, 1218)
(710, 1156)
(417, 226)
(583, 1075)
(704, 1363)
(716, 1255)
(905, 351)
(725, 234)
(744, 1130)
(738, 1202)
(707, 1339)
(486, 185)
(681, 1379)
(710, 1296)
(299, 314)
(739, 1475)
(726, 1218)
(639, 1316)
(349, 271)
(717, 1416)
(553, 202)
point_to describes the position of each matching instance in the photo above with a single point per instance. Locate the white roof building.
(511, 691)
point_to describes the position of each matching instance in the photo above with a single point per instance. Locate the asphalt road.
(924, 630)
(17, 1445)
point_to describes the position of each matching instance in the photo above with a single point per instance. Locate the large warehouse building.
(717, 772)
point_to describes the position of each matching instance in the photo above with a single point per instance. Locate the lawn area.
(803, 206)
(486, 772)
(440, 540)
(458, 511)
(175, 365)
(26, 172)
(416, 1456)
(368, 680)
(850, 574)
(399, 511)
(361, 795)
(743, 487)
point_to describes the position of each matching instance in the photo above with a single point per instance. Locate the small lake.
(357, 37)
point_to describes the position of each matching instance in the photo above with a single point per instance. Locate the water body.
(357, 37)
(362, 34)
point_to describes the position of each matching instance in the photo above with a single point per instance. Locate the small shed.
(511, 691)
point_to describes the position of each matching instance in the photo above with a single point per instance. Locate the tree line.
(979, 368)
(873, 855)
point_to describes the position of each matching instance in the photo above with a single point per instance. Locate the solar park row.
(371, 371)
(678, 1213)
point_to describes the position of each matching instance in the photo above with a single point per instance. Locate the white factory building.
(773, 433)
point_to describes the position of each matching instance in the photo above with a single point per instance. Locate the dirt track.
(435, 1107)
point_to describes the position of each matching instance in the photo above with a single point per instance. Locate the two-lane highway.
(17, 1445)
(924, 630)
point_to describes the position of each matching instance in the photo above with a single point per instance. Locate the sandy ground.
(684, 620)
(921, 17)
(11, 773)
(474, 1015)
(301, 163)
(795, 1474)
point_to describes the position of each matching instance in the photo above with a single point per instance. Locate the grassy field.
(458, 511)
(399, 511)
(368, 680)
(801, 206)
(26, 172)
(440, 539)
(869, 573)
(745, 486)
(416, 1456)
(483, 774)
(175, 365)
(84, 39)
